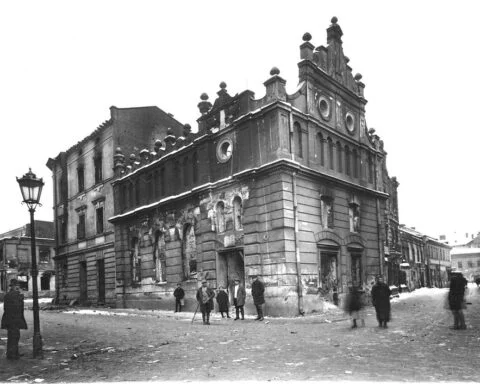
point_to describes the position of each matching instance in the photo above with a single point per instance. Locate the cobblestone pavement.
(134, 345)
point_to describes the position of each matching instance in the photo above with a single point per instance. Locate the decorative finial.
(118, 150)
(334, 20)
(358, 77)
(223, 85)
(307, 37)
(274, 71)
(204, 96)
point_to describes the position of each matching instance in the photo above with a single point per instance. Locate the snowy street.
(82, 344)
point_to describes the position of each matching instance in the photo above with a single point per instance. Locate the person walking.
(13, 319)
(205, 296)
(381, 301)
(239, 296)
(179, 294)
(354, 306)
(222, 300)
(258, 290)
(456, 300)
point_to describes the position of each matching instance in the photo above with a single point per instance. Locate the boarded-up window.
(356, 269)
(237, 213)
(328, 270)
(160, 257)
(189, 252)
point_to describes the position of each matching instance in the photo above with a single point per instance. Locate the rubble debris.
(92, 352)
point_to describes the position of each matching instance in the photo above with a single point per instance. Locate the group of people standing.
(205, 296)
(380, 295)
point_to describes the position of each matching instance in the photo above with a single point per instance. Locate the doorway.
(230, 266)
(101, 281)
(83, 282)
(328, 271)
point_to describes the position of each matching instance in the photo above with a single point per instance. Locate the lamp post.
(31, 189)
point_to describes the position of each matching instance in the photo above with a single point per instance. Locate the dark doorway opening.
(45, 282)
(83, 282)
(101, 281)
(230, 266)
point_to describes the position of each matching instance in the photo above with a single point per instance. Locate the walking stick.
(193, 318)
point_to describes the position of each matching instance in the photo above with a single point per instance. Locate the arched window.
(330, 153)
(355, 163)
(135, 261)
(189, 252)
(160, 257)
(339, 156)
(319, 149)
(298, 139)
(347, 160)
(237, 213)
(194, 167)
(370, 168)
(220, 209)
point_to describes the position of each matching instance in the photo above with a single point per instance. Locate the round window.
(324, 107)
(224, 150)
(350, 122)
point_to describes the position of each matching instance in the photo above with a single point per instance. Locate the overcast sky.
(64, 63)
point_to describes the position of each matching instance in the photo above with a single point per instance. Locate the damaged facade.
(16, 256)
(292, 187)
(83, 201)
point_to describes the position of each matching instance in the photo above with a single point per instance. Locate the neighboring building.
(413, 258)
(437, 255)
(392, 243)
(16, 258)
(291, 187)
(467, 261)
(83, 201)
(425, 260)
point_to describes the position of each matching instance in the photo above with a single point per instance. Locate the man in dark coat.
(239, 296)
(456, 299)
(222, 300)
(205, 296)
(258, 290)
(179, 294)
(381, 301)
(13, 319)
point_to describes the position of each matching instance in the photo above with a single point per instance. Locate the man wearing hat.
(239, 296)
(205, 296)
(13, 319)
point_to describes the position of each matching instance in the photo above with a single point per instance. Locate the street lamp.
(31, 189)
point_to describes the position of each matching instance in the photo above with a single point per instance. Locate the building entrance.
(230, 266)
(101, 281)
(83, 282)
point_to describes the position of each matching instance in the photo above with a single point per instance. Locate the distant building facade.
(83, 201)
(289, 187)
(467, 261)
(16, 258)
(439, 264)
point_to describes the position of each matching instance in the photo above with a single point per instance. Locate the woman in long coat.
(13, 319)
(222, 300)
(456, 299)
(381, 301)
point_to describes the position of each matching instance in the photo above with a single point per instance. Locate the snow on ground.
(40, 300)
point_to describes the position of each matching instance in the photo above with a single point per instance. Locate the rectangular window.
(460, 265)
(81, 179)
(327, 212)
(97, 161)
(62, 229)
(99, 213)
(44, 255)
(81, 227)
(470, 264)
(354, 217)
